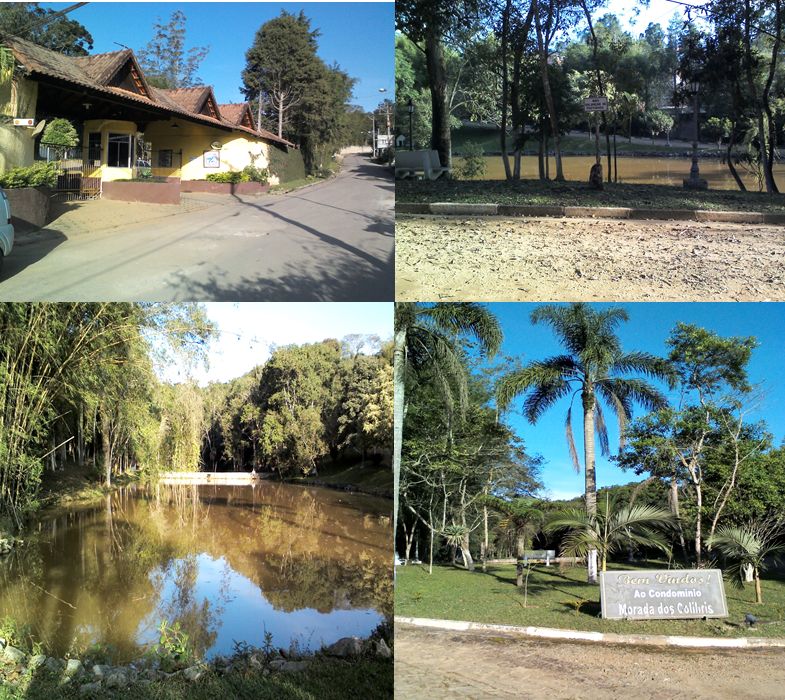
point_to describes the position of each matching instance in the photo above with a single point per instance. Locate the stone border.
(658, 640)
(467, 209)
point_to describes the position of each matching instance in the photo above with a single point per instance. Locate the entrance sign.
(661, 595)
(595, 104)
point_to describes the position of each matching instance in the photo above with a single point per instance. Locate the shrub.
(231, 177)
(37, 175)
(287, 165)
(255, 174)
(473, 164)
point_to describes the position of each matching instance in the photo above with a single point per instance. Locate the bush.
(60, 134)
(37, 175)
(473, 164)
(287, 165)
(230, 177)
(255, 174)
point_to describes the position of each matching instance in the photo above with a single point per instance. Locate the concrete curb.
(659, 640)
(466, 209)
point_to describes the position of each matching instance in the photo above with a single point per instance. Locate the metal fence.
(81, 170)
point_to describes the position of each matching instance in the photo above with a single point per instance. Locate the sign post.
(662, 595)
(596, 104)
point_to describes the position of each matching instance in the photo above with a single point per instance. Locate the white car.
(6, 229)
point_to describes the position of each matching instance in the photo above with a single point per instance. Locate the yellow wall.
(17, 147)
(236, 150)
(105, 127)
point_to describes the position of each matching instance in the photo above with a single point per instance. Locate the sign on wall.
(660, 595)
(212, 159)
(24, 122)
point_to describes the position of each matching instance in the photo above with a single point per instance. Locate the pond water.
(650, 171)
(229, 563)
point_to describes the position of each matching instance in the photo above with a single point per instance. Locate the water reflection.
(647, 171)
(227, 562)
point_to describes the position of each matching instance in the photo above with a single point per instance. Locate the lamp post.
(410, 110)
(695, 181)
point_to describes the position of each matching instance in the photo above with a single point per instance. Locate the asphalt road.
(330, 242)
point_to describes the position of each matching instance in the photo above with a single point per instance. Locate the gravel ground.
(440, 664)
(542, 259)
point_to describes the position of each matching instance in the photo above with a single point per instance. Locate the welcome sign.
(660, 595)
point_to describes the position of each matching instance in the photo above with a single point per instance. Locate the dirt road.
(497, 259)
(436, 664)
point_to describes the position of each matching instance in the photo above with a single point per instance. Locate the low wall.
(149, 192)
(223, 187)
(29, 206)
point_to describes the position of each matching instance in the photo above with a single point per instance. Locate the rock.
(12, 655)
(73, 668)
(100, 671)
(53, 665)
(347, 646)
(288, 666)
(193, 674)
(90, 688)
(36, 662)
(381, 649)
(117, 679)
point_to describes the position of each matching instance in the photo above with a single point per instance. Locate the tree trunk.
(546, 86)
(505, 98)
(399, 361)
(674, 503)
(437, 80)
(731, 142)
(520, 543)
(588, 399)
(758, 595)
(466, 554)
(106, 442)
(699, 507)
(485, 538)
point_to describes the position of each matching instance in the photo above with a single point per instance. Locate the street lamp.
(410, 110)
(694, 181)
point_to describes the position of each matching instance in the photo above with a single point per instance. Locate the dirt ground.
(440, 664)
(498, 259)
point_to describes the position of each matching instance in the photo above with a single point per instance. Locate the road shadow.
(333, 280)
(28, 250)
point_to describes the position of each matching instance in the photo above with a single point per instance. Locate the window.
(165, 158)
(119, 152)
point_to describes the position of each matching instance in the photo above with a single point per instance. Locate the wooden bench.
(423, 164)
(540, 555)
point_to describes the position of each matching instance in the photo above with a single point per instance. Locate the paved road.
(330, 242)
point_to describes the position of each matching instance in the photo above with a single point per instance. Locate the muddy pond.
(228, 563)
(636, 170)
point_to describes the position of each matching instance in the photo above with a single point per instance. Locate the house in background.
(127, 127)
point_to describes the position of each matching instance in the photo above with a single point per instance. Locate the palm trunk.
(399, 361)
(591, 477)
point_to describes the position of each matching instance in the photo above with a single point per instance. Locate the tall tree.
(426, 337)
(594, 368)
(45, 27)
(166, 61)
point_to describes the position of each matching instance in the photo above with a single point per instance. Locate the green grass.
(373, 479)
(562, 599)
(537, 192)
(324, 679)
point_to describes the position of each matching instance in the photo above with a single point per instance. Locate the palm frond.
(601, 429)
(571, 441)
(469, 319)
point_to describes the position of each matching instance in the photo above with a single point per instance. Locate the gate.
(79, 174)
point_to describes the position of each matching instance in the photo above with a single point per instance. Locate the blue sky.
(647, 329)
(635, 16)
(247, 332)
(356, 35)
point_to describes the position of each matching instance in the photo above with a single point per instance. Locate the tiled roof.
(233, 113)
(95, 71)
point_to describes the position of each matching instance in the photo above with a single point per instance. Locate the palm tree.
(753, 546)
(593, 369)
(428, 336)
(610, 529)
(523, 517)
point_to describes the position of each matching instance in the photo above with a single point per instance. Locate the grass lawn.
(367, 678)
(376, 480)
(537, 192)
(561, 598)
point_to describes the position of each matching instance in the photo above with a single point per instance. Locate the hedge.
(37, 175)
(287, 165)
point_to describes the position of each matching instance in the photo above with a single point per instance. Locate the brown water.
(649, 171)
(228, 563)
